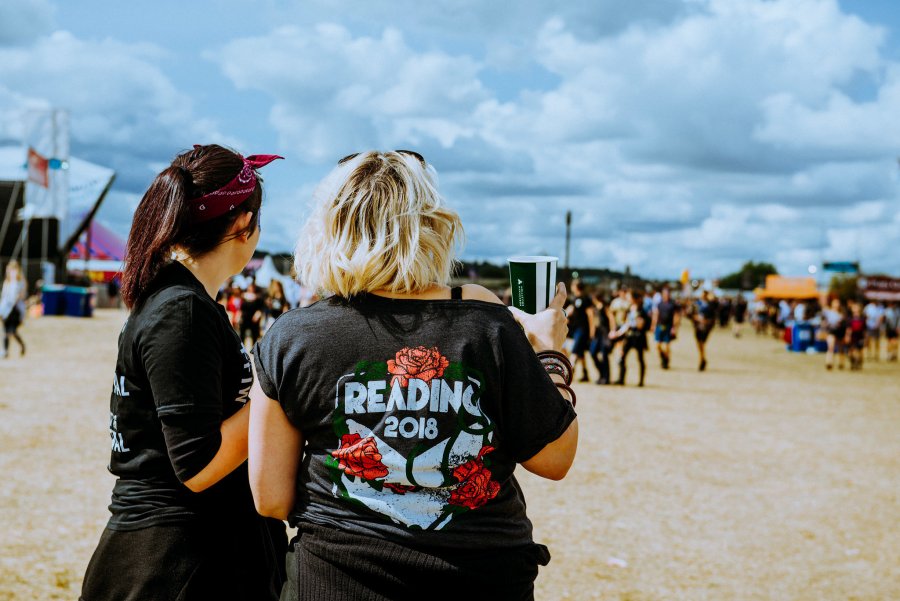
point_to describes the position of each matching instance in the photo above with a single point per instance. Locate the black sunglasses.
(411, 153)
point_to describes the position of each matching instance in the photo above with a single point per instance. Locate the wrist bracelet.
(572, 398)
(557, 363)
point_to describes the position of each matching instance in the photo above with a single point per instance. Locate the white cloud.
(335, 92)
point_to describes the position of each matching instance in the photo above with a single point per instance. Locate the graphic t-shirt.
(414, 414)
(180, 372)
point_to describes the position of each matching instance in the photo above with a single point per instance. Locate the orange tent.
(778, 287)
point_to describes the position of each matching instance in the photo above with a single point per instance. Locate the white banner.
(46, 132)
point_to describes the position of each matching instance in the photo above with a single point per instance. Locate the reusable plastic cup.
(533, 282)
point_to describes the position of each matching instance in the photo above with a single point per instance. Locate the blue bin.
(54, 300)
(78, 301)
(802, 337)
(822, 346)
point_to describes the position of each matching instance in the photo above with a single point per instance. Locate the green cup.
(533, 282)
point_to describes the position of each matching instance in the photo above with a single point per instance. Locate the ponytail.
(162, 220)
(161, 216)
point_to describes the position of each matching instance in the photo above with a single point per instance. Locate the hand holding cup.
(546, 330)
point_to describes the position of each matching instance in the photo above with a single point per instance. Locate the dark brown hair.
(162, 220)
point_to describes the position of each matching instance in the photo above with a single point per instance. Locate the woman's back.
(414, 413)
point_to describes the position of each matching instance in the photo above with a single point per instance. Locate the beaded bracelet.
(558, 364)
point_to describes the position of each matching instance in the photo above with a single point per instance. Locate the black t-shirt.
(181, 371)
(578, 320)
(666, 311)
(414, 414)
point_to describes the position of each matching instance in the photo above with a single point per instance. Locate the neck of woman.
(211, 269)
(433, 292)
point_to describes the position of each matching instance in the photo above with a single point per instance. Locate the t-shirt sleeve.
(534, 412)
(265, 356)
(182, 353)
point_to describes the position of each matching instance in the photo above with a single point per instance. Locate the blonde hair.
(378, 223)
(13, 271)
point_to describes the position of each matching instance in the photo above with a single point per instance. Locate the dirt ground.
(764, 478)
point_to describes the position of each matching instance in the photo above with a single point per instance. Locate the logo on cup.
(533, 282)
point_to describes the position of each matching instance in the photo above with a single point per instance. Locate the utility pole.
(568, 235)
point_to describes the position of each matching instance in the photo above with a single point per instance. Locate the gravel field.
(764, 478)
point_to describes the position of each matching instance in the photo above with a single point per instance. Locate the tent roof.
(105, 244)
(778, 286)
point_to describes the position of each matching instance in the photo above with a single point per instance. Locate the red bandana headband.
(233, 193)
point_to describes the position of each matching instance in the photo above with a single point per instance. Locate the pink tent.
(104, 259)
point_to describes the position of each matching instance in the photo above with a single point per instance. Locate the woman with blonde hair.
(12, 306)
(388, 418)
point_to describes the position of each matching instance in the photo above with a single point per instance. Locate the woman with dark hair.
(183, 524)
(388, 419)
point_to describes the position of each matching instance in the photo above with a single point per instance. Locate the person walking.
(874, 314)
(855, 336)
(703, 316)
(601, 345)
(892, 330)
(388, 419)
(834, 319)
(183, 524)
(634, 335)
(12, 306)
(666, 319)
(580, 327)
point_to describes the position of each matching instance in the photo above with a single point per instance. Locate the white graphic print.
(413, 442)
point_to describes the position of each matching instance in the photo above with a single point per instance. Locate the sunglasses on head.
(411, 153)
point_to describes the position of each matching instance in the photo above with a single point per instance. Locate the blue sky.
(681, 134)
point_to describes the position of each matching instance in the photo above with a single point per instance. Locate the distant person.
(601, 345)
(855, 336)
(724, 312)
(740, 314)
(12, 306)
(634, 336)
(276, 302)
(892, 330)
(666, 317)
(874, 314)
(618, 308)
(703, 316)
(834, 320)
(112, 292)
(183, 525)
(579, 327)
(253, 306)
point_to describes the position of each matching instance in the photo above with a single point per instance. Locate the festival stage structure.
(48, 198)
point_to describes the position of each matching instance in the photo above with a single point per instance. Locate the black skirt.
(12, 321)
(333, 565)
(238, 560)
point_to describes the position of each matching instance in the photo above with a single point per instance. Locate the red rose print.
(360, 457)
(420, 363)
(400, 489)
(475, 485)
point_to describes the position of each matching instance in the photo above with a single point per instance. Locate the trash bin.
(54, 300)
(801, 337)
(78, 301)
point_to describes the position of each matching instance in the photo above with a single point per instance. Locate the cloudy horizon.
(692, 134)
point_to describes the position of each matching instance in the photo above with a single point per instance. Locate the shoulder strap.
(456, 293)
